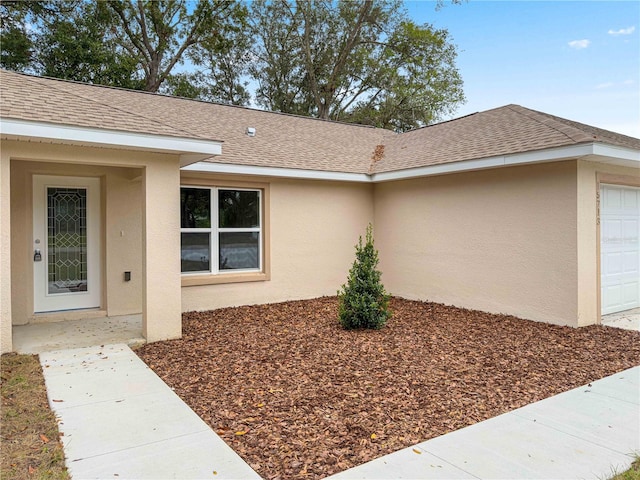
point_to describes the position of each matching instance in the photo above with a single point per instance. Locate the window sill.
(193, 280)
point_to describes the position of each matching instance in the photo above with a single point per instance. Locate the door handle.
(37, 256)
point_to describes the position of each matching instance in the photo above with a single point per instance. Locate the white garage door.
(620, 248)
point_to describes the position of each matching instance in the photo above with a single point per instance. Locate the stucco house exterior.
(117, 202)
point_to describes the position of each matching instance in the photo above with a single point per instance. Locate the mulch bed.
(299, 397)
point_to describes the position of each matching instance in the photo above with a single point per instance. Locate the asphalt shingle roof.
(501, 131)
(289, 141)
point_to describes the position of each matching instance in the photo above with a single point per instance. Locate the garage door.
(620, 248)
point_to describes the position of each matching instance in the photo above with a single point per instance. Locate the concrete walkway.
(121, 421)
(589, 432)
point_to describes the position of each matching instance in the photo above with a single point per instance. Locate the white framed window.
(220, 230)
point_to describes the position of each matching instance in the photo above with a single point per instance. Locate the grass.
(30, 438)
(632, 474)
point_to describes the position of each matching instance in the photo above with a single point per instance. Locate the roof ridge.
(572, 133)
(440, 123)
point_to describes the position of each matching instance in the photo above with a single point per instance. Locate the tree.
(19, 24)
(159, 33)
(363, 62)
(421, 86)
(363, 302)
(127, 43)
(78, 46)
(355, 61)
(223, 61)
(277, 66)
(15, 53)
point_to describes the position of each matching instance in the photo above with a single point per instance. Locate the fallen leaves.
(29, 434)
(311, 399)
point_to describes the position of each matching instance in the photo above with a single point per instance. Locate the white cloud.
(622, 31)
(579, 44)
(602, 86)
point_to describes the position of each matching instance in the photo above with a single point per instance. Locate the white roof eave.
(591, 151)
(190, 149)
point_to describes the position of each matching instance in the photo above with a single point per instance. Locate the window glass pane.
(238, 209)
(195, 252)
(239, 250)
(195, 208)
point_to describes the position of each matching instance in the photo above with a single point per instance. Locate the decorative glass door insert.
(66, 239)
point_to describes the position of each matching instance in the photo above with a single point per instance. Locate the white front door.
(66, 243)
(619, 248)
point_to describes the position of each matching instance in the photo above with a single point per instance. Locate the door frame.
(43, 302)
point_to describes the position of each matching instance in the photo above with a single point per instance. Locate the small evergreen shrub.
(363, 302)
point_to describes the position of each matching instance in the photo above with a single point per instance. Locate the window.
(221, 230)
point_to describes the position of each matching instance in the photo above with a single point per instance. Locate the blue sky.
(574, 59)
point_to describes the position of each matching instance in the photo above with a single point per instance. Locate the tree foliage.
(126, 43)
(363, 302)
(356, 61)
(80, 46)
(365, 62)
(18, 25)
(159, 33)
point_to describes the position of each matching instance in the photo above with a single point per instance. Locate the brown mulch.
(299, 397)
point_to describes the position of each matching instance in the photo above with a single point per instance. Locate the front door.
(66, 243)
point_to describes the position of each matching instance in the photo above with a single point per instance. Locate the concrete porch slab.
(46, 337)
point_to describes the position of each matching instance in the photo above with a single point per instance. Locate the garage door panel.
(630, 263)
(630, 294)
(619, 248)
(630, 230)
(612, 264)
(612, 296)
(630, 200)
(611, 230)
(612, 199)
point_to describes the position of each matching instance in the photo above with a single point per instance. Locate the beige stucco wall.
(501, 240)
(5, 254)
(588, 175)
(314, 226)
(161, 300)
(139, 195)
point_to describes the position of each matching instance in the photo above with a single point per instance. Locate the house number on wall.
(598, 207)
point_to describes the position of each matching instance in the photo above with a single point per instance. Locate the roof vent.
(251, 132)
